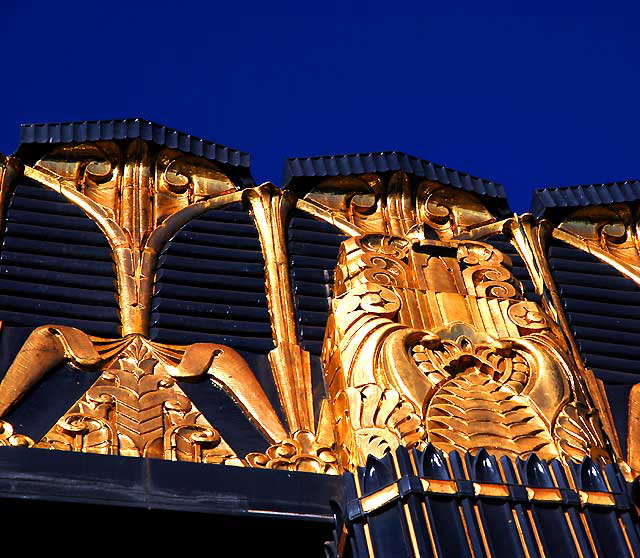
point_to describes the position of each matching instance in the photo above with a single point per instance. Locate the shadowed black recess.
(603, 309)
(55, 265)
(55, 268)
(210, 289)
(313, 252)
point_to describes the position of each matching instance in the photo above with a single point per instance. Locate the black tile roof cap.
(546, 199)
(383, 161)
(131, 128)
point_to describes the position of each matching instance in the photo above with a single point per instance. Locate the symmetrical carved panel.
(432, 340)
(371, 203)
(137, 409)
(430, 337)
(140, 195)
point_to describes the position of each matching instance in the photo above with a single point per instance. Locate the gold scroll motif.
(137, 409)
(136, 195)
(430, 338)
(368, 203)
(139, 195)
(433, 341)
(610, 233)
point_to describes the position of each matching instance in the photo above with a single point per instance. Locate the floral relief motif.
(300, 452)
(137, 409)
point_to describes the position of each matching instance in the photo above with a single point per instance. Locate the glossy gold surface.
(429, 339)
(610, 233)
(289, 363)
(132, 192)
(139, 196)
(10, 169)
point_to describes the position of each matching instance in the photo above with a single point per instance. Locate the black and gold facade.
(379, 319)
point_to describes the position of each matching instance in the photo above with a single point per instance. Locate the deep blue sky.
(528, 94)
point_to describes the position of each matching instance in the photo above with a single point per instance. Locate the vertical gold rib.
(291, 366)
(485, 542)
(407, 513)
(530, 238)
(536, 535)
(633, 441)
(587, 530)
(572, 530)
(367, 531)
(626, 537)
(465, 527)
(10, 169)
(425, 512)
(518, 524)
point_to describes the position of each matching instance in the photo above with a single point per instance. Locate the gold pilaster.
(290, 364)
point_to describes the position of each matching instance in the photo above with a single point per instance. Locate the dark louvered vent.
(313, 253)
(210, 289)
(519, 268)
(210, 284)
(603, 309)
(55, 266)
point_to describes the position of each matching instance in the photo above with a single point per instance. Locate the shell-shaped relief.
(480, 400)
(379, 421)
(473, 411)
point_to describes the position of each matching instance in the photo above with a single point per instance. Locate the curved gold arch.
(135, 269)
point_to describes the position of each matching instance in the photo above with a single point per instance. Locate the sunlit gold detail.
(370, 203)
(430, 337)
(46, 347)
(544, 494)
(139, 196)
(439, 486)
(433, 340)
(10, 169)
(136, 406)
(137, 409)
(9, 438)
(131, 192)
(633, 439)
(607, 232)
(380, 498)
(300, 452)
(531, 236)
(289, 362)
(306, 448)
(494, 490)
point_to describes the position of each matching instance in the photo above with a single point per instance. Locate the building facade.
(377, 359)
